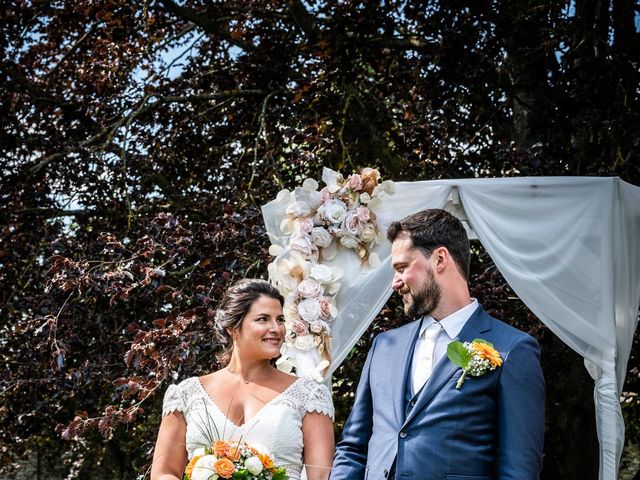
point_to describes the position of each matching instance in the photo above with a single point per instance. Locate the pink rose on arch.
(352, 224)
(325, 311)
(325, 195)
(306, 225)
(364, 214)
(320, 326)
(355, 182)
(302, 243)
(310, 289)
(299, 327)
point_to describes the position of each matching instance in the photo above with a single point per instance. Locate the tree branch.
(145, 106)
(72, 49)
(208, 23)
(411, 42)
(304, 20)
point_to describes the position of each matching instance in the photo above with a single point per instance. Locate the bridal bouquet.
(315, 224)
(235, 460)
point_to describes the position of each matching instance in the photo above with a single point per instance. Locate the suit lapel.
(478, 323)
(408, 338)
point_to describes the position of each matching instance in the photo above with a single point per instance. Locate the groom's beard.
(425, 300)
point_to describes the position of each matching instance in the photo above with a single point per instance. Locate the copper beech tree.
(139, 140)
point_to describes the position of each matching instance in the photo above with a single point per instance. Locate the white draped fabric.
(568, 246)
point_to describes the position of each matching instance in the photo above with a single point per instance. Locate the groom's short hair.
(433, 228)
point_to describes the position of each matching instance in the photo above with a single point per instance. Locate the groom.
(409, 421)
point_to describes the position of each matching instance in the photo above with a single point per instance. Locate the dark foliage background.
(139, 140)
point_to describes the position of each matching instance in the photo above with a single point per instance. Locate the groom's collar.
(452, 324)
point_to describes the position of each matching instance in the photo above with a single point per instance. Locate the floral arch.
(568, 246)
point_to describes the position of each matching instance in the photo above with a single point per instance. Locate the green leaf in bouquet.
(280, 474)
(458, 354)
(241, 474)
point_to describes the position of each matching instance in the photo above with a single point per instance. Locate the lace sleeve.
(320, 400)
(173, 401)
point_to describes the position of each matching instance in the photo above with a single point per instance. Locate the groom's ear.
(442, 258)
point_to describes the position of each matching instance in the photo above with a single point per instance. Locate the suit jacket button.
(403, 434)
(413, 403)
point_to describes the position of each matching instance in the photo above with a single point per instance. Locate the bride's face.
(262, 330)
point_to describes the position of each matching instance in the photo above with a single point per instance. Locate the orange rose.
(488, 352)
(266, 461)
(220, 448)
(189, 468)
(234, 454)
(224, 467)
(370, 177)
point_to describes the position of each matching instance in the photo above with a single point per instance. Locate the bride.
(248, 400)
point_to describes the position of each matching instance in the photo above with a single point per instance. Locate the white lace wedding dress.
(277, 426)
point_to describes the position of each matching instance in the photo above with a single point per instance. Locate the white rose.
(203, 469)
(351, 223)
(321, 237)
(349, 242)
(322, 273)
(298, 209)
(309, 309)
(305, 342)
(254, 465)
(368, 233)
(333, 211)
(365, 198)
(310, 289)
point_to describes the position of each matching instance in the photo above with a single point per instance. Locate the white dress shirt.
(451, 327)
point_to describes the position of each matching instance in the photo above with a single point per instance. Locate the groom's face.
(414, 278)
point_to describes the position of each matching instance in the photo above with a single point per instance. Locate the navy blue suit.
(491, 428)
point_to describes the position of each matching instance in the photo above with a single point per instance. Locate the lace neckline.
(215, 405)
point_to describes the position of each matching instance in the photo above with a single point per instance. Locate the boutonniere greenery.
(475, 358)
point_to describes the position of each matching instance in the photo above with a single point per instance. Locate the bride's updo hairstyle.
(234, 306)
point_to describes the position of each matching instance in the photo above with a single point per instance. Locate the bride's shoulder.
(313, 396)
(186, 384)
(182, 389)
